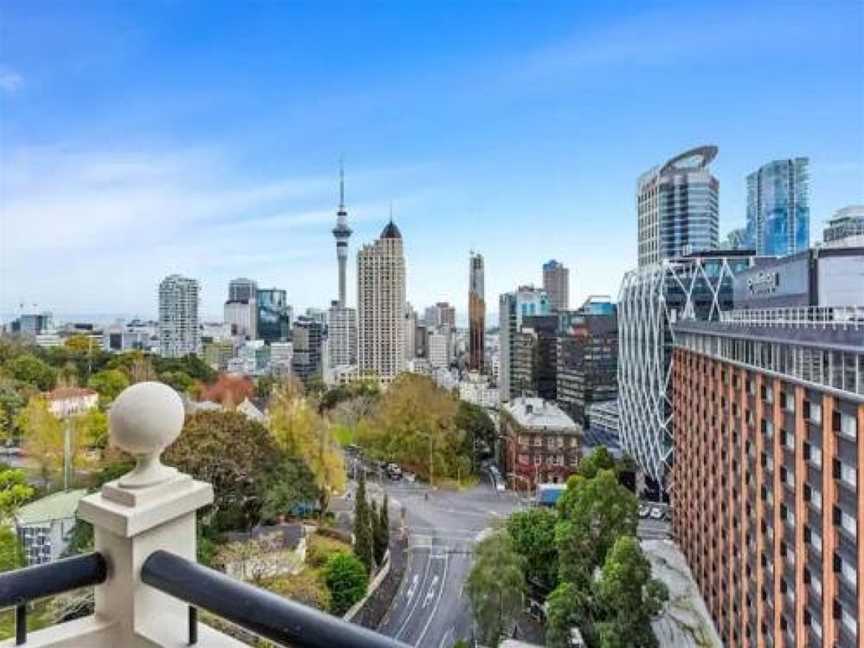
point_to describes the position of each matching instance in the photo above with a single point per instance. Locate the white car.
(656, 513)
(644, 510)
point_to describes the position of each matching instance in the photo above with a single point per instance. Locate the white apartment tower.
(178, 317)
(381, 306)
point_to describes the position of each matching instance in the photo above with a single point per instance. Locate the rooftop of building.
(532, 412)
(57, 506)
(390, 231)
(63, 393)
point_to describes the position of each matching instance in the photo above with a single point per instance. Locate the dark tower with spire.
(342, 233)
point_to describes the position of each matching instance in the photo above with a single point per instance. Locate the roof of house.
(530, 412)
(290, 534)
(62, 393)
(57, 506)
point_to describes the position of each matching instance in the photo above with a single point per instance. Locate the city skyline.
(130, 198)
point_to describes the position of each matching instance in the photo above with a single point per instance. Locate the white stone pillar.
(153, 507)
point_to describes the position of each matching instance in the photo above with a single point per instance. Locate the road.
(430, 609)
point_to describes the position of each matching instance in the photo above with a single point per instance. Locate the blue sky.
(142, 138)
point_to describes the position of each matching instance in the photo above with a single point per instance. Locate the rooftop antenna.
(391, 211)
(341, 184)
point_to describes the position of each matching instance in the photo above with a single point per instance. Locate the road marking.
(437, 603)
(413, 587)
(430, 594)
(413, 606)
(444, 642)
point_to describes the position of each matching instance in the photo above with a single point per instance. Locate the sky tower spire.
(342, 233)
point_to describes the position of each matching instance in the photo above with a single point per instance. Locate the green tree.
(14, 491)
(236, 455)
(43, 437)
(495, 586)
(478, 427)
(533, 534)
(11, 553)
(109, 383)
(629, 597)
(600, 459)
(191, 365)
(568, 607)
(292, 485)
(79, 344)
(179, 380)
(11, 404)
(30, 369)
(363, 542)
(381, 531)
(346, 578)
(593, 514)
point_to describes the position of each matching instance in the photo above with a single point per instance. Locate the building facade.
(846, 228)
(273, 315)
(178, 317)
(513, 307)
(476, 313)
(556, 283)
(306, 347)
(587, 359)
(381, 306)
(541, 443)
(241, 311)
(441, 314)
(769, 419)
(677, 207)
(342, 335)
(778, 208)
(651, 298)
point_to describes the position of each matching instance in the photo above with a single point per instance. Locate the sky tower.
(342, 233)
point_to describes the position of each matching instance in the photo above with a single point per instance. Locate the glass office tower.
(778, 207)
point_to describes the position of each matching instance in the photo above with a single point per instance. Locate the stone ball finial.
(145, 419)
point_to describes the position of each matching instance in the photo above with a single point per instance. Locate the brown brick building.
(766, 482)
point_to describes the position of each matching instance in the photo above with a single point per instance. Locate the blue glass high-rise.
(778, 207)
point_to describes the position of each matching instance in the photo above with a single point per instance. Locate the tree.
(600, 459)
(92, 428)
(79, 344)
(628, 596)
(363, 542)
(291, 486)
(533, 534)
(237, 456)
(301, 432)
(568, 607)
(179, 380)
(381, 531)
(495, 586)
(14, 491)
(43, 437)
(11, 403)
(346, 578)
(11, 554)
(478, 426)
(109, 383)
(191, 365)
(30, 369)
(593, 514)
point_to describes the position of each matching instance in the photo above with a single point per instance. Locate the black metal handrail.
(20, 586)
(263, 613)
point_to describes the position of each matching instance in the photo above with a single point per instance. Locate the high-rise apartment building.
(476, 312)
(273, 315)
(307, 340)
(410, 332)
(846, 227)
(381, 306)
(438, 348)
(698, 286)
(766, 485)
(241, 310)
(556, 283)
(587, 358)
(441, 314)
(778, 208)
(677, 207)
(535, 357)
(342, 335)
(513, 307)
(178, 317)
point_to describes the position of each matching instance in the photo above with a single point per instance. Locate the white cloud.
(10, 81)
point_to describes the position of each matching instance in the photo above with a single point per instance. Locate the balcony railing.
(825, 317)
(148, 587)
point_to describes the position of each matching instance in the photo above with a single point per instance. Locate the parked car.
(394, 471)
(656, 513)
(644, 509)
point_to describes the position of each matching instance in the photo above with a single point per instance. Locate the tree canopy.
(533, 534)
(346, 578)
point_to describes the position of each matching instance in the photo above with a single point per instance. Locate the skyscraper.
(381, 306)
(677, 206)
(342, 233)
(476, 312)
(273, 315)
(556, 283)
(441, 314)
(512, 308)
(178, 317)
(241, 310)
(307, 338)
(778, 207)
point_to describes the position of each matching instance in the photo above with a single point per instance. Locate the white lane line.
(402, 586)
(430, 594)
(443, 643)
(437, 603)
(413, 606)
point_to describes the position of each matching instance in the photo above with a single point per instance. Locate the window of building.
(816, 584)
(815, 413)
(816, 541)
(848, 474)
(848, 523)
(538, 460)
(523, 459)
(849, 621)
(847, 425)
